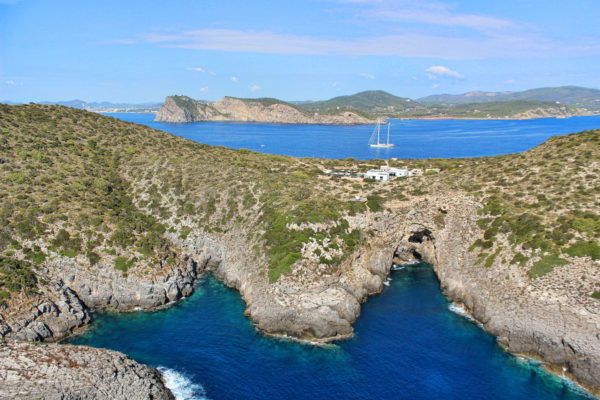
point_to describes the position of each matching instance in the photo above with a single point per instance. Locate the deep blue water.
(407, 345)
(413, 138)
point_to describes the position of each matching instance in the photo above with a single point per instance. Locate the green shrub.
(596, 294)
(545, 265)
(375, 203)
(582, 249)
(520, 259)
(39, 258)
(92, 257)
(123, 264)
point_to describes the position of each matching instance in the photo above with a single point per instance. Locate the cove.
(407, 345)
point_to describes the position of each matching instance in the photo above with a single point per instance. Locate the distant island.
(366, 107)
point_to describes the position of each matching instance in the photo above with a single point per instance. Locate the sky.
(142, 51)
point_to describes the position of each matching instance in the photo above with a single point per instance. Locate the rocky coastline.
(310, 304)
(52, 371)
(181, 109)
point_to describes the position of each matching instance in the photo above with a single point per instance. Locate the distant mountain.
(572, 95)
(370, 102)
(106, 106)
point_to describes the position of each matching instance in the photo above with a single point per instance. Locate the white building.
(394, 172)
(377, 175)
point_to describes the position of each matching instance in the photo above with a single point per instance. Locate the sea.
(413, 138)
(410, 342)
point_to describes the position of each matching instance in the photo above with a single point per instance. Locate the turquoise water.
(413, 138)
(408, 345)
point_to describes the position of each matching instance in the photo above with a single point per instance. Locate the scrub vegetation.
(81, 185)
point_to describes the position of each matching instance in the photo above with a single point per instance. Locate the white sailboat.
(377, 134)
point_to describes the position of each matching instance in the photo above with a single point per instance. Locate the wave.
(462, 311)
(181, 386)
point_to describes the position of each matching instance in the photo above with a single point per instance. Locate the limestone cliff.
(182, 109)
(36, 371)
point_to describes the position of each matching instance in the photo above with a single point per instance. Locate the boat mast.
(388, 142)
(378, 126)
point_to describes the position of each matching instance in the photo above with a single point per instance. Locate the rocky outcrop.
(535, 317)
(181, 109)
(74, 289)
(51, 371)
(53, 315)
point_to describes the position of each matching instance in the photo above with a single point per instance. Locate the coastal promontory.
(181, 109)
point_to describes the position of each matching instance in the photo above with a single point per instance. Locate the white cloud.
(254, 87)
(440, 70)
(204, 89)
(213, 73)
(9, 82)
(197, 69)
(435, 85)
(506, 45)
(511, 81)
(120, 41)
(234, 79)
(441, 18)
(368, 76)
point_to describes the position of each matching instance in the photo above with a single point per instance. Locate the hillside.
(361, 108)
(98, 213)
(571, 95)
(369, 102)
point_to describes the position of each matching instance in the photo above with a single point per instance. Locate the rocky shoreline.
(312, 304)
(52, 371)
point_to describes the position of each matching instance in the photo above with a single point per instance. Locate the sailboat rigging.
(377, 134)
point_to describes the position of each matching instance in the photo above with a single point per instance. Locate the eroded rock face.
(52, 371)
(233, 109)
(541, 317)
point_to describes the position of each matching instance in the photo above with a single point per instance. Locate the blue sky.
(137, 51)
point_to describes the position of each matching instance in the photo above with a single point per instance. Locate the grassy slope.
(78, 184)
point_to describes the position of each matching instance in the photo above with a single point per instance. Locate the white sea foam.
(181, 386)
(458, 309)
(461, 310)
